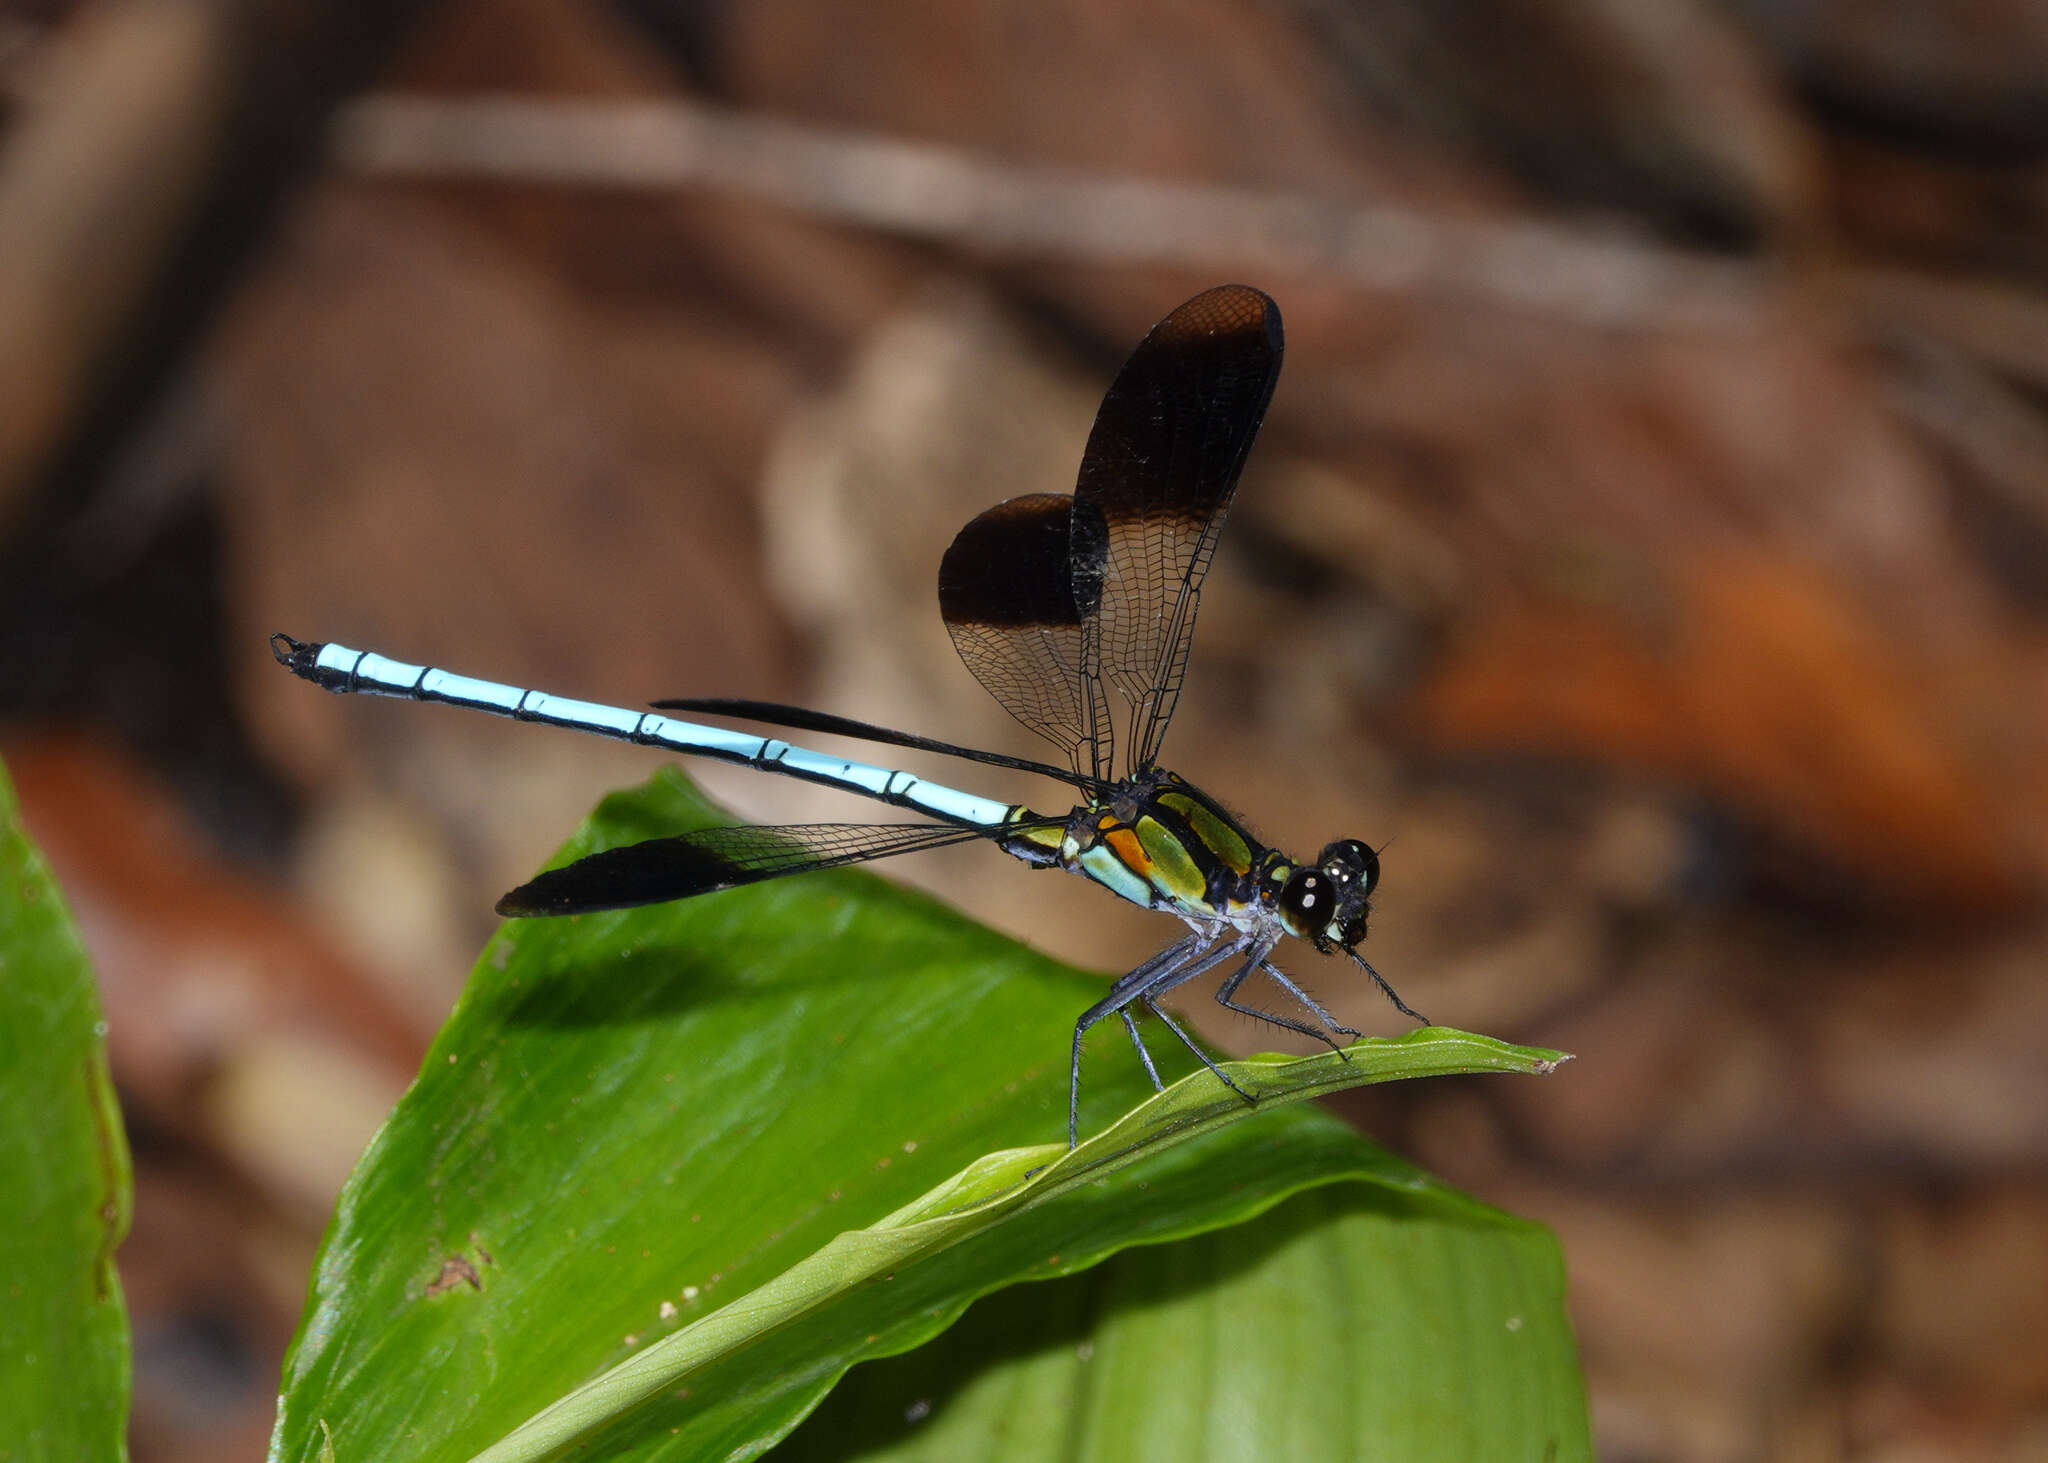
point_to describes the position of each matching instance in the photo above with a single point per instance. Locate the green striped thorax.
(1161, 842)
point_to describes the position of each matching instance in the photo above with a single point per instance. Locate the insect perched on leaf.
(1077, 613)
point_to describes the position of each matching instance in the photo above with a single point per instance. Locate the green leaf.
(706, 1156)
(64, 1200)
(1348, 1323)
(1021, 1190)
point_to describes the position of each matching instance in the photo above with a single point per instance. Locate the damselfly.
(1060, 606)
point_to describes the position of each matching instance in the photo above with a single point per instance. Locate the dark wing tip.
(563, 891)
(540, 899)
(519, 904)
(577, 888)
(570, 889)
(625, 877)
(1227, 310)
(1015, 565)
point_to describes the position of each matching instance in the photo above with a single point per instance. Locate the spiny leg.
(1119, 998)
(1131, 1025)
(1179, 963)
(1229, 988)
(1258, 961)
(1309, 1001)
(1313, 1005)
(1189, 1042)
(1150, 969)
(1387, 990)
(1168, 979)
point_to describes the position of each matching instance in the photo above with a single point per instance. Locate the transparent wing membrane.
(1162, 463)
(1018, 590)
(1049, 598)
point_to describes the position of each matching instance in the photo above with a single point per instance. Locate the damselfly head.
(1355, 870)
(1350, 862)
(1327, 902)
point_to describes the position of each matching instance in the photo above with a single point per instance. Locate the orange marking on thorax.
(1124, 844)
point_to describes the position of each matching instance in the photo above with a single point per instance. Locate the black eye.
(1307, 903)
(1349, 861)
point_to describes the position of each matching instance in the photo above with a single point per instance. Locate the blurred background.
(1648, 545)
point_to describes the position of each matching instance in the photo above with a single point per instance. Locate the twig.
(930, 191)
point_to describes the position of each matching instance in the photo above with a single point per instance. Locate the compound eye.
(1348, 861)
(1308, 903)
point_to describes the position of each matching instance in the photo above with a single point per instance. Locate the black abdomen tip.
(300, 657)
